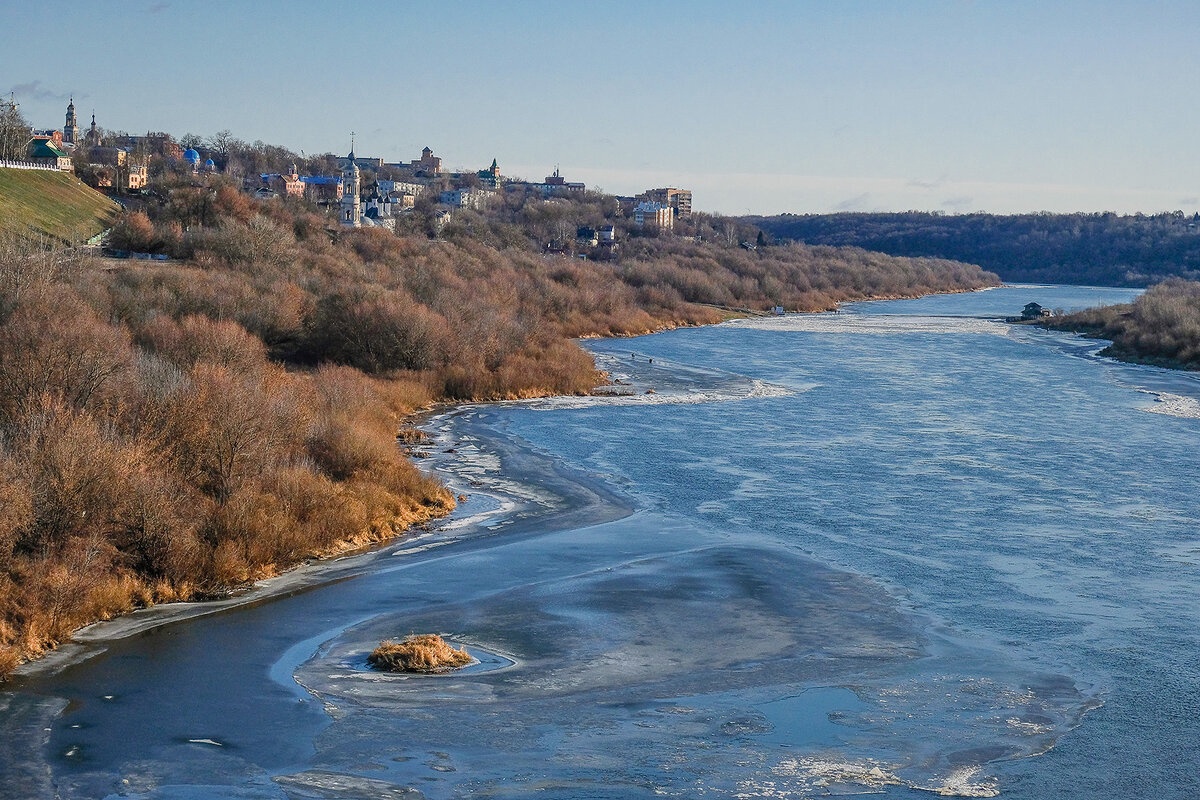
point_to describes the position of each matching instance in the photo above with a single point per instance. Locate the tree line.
(1101, 249)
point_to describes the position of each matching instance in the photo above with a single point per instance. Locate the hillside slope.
(54, 204)
(1097, 249)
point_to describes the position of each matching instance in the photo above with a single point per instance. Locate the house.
(587, 237)
(289, 185)
(139, 176)
(43, 150)
(1035, 311)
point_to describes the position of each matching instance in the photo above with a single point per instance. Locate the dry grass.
(424, 653)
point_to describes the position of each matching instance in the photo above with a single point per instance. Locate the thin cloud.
(918, 183)
(157, 8)
(856, 203)
(35, 91)
(958, 203)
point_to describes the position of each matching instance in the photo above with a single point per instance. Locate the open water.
(901, 550)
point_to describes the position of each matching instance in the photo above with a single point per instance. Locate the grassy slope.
(54, 204)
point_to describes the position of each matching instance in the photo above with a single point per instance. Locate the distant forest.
(1101, 249)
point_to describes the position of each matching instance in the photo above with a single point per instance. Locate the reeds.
(421, 653)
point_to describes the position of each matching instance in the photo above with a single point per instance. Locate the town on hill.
(416, 195)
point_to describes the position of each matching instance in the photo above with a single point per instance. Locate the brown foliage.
(423, 653)
(1162, 326)
(16, 509)
(53, 343)
(134, 231)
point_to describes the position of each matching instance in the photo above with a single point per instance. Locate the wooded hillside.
(1086, 249)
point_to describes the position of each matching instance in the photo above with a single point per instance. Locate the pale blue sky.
(763, 107)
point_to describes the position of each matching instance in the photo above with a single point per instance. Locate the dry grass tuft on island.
(423, 653)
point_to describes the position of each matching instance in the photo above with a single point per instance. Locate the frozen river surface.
(901, 550)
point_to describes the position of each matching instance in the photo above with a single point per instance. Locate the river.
(898, 550)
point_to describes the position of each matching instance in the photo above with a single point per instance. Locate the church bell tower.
(351, 207)
(71, 127)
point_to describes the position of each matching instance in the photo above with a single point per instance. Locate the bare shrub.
(377, 331)
(134, 231)
(77, 472)
(16, 509)
(53, 342)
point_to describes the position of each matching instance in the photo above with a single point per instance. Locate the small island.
(424, 653)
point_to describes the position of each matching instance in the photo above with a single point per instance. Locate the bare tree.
(14, 131)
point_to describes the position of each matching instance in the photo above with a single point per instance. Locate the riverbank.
(636, 379)
(1161, 328)
(500, 485)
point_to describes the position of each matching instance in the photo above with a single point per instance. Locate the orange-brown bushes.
(196, 338)
(377, 331)
(426, 652)
(52, 342)
(134, 231)
(16, 509)
(76, 471)
(1160, 326)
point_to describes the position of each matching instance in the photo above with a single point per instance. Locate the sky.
(758, 106)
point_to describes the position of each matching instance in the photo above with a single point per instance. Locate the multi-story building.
(152, 144)
(553, 186)
(490, 177)
(401, 187)
(465, 198)
(139, 176)
(654, 215)
(678, 199)
(324, 189)
(289, 185)
(43, 150)
(109, 156)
